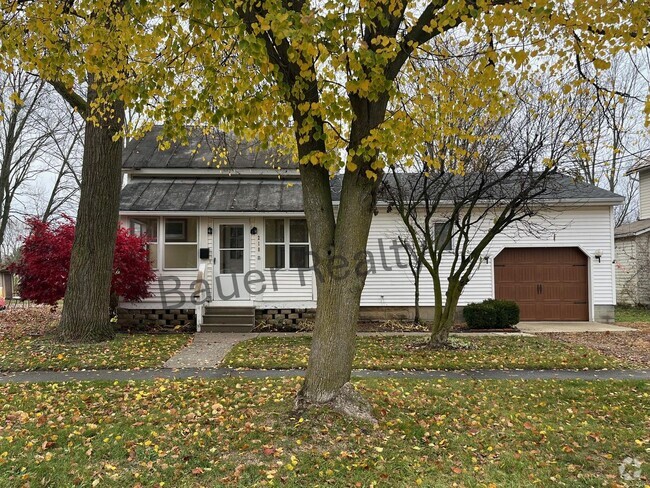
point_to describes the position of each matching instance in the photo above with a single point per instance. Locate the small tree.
(508, 169)
(415, 265)
(44, 263)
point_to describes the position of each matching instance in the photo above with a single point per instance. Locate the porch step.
(226, 328)
(230, 311)
(228, 319)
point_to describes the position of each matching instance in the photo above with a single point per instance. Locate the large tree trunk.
(340, 267)
(86, 304)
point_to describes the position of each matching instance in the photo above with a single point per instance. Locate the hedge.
(491, 314)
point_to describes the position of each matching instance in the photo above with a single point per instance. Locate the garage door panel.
(547, 283)
(520, 274)
(525, 292)
(569, 274)
(552, 292)
(527, 310)
(503, 276)
(549, 274)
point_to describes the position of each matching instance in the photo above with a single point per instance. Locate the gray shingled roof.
(557, 187)
(201, 152)
(632, 229)
(232, 194)
(211, 195)
(638, 166)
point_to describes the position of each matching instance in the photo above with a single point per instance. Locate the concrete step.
(227, 328)
(224, 311)
(228, 319)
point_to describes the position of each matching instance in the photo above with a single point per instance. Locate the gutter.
(211, 172)
(555, 201)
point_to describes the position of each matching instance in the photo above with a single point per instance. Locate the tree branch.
(73, 98)
(418, 35)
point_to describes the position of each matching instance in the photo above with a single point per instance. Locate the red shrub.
(45, 260)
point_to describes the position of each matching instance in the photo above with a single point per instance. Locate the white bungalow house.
(239, 228)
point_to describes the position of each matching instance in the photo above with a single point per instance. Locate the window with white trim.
(286, 244)
(147, 227)
(181, 243)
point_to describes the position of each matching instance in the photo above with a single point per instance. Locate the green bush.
(491, 314)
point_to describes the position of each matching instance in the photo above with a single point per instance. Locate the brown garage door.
(547, 283)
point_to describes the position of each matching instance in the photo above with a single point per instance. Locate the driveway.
(547, 327)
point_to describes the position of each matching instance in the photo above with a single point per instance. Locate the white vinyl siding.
(627, 271)
(588, 228)
(632, 266)
(644, 194)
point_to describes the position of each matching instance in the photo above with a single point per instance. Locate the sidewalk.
(570, 327)
(216, 373)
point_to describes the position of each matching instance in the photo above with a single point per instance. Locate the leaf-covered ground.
(632, 347)
(626, 315)
(242, 433)
(401, 352)
(28, 320)
(125, 352)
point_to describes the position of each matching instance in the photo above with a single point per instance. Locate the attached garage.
(549, 284)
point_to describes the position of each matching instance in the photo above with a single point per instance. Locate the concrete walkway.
(543, 327)
(206, 350)
(216, 373)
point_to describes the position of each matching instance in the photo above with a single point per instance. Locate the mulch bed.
(362, 326)
(628, 346)
(378, 326)
(390, 326)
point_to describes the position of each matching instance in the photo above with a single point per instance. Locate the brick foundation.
(283, 317)
(145, 319)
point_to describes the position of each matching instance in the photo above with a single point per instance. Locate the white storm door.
(231, 261)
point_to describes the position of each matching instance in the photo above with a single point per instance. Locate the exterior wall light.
(598, 254)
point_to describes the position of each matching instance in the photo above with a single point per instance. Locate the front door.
(230, 261)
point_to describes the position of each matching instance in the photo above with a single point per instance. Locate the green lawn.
(397, 352)
(125, 352)
(626, 314)
(241, 433)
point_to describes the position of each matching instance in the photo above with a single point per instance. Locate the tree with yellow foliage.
(334, 80)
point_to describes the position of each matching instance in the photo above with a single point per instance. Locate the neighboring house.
(6, 287)
(633, 248)
(229, 219)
